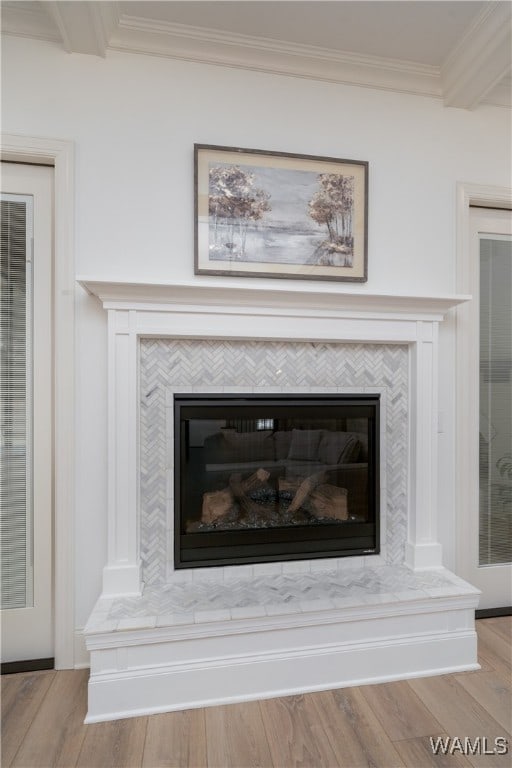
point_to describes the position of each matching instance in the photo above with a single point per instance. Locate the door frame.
(60, 155)
(467, 413)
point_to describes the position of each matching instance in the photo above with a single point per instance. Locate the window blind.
(495, 531)
(16, 402)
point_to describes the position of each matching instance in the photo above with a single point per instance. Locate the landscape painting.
(272, 214)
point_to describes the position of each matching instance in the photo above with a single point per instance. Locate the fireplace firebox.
(263, 478)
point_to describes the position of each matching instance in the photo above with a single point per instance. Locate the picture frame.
(277, 214)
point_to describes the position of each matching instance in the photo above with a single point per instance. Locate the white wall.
(134, 120)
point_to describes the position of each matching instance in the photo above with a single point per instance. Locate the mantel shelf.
(135, 295)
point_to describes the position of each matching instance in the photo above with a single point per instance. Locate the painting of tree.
(332, 206)
(234, 201)
(273, 214)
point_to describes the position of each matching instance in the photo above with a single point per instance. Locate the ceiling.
(458, 51)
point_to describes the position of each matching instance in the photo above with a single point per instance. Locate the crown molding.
(475, 72)
(481, 60)
(209, 46)
(501, 94)
(22, 20)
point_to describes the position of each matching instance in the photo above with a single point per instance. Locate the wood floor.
(378, 725)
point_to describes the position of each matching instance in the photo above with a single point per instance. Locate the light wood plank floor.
(386, 725)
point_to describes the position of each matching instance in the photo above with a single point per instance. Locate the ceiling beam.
(84, 27)
(482, 58)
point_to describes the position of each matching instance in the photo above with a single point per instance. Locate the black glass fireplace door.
(260, 478)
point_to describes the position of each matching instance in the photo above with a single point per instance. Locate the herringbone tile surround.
(168, 366)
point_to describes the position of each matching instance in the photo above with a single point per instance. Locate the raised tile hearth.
(206, 642)
(162, 639)
(252, 596)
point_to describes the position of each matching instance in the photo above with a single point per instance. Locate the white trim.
(467, 363)
(500, 96)
(82, 655)
(213, 46)
(28, 20)
(423, 550)
(481, 60)
(59, 154)
(157, 297)
(122, 574)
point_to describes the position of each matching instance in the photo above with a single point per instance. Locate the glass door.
(26, 415)
(485, 423)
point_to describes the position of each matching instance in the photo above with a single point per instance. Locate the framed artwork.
(274, 214)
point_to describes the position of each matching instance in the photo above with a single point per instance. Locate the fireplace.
(275, 478)
(166, 635)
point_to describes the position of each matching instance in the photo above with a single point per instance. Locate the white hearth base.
(265, 637)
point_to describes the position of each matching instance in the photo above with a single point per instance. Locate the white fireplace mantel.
(157, 297)
(204, 311)
(226, 636)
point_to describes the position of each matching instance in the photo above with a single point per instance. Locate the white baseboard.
(82, 656)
